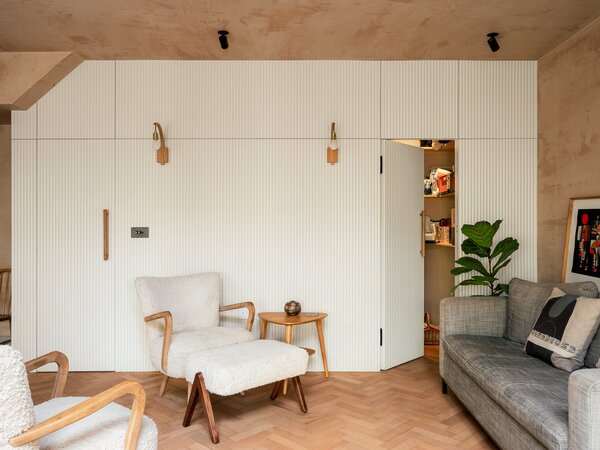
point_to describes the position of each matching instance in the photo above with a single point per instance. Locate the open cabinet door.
(402, 254)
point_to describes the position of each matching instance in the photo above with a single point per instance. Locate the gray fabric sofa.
(521, 402)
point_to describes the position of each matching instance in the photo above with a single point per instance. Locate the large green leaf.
(497, 267)
(460, 270)
(473, 264)
(482, 232)
(486, 278)
(504, 249)
(469, 247)
(469, 283)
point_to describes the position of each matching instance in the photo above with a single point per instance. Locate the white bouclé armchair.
(182, 317)
(68, 423)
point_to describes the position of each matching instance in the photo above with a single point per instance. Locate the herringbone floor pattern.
(401, 408)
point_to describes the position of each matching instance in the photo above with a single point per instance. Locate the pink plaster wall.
(569, 139)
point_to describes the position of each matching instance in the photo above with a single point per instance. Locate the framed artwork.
(581, 259)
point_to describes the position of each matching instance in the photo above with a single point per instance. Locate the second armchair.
(182, 316)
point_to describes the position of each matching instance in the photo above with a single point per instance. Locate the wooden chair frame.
(85, 408)
(168, 318)
(199, 391)
(62, 373)
(6, 299)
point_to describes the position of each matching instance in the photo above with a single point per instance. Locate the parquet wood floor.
(402, 408)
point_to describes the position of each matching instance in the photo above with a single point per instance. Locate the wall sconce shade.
(162, 154)
(332, 150)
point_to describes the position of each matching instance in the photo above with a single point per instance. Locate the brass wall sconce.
(332, 150)
(162, 154)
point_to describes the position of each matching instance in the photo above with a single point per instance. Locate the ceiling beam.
(26, 76)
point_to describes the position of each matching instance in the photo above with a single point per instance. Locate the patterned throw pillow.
(564, 330)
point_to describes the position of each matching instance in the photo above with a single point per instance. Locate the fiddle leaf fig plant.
(487, 260)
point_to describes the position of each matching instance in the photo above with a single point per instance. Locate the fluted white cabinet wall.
(272, 217)
(82, 106)
(419, 99)
(497, 181)
(248, 99)
(24, 236)
(247, 192)
(497, 100)
(75, 300)
(497, 156)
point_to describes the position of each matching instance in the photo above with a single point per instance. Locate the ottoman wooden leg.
(300, 394)
(199, 391)
(276, 388)
(191, 405)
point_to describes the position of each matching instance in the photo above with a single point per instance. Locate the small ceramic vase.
(292, 308)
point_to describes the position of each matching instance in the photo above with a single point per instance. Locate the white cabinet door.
(513, 163)
(81, 106)
(402, 254)
(419, 99)
(75, 284)
(498, 99)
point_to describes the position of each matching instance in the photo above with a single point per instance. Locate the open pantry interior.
(439, 209)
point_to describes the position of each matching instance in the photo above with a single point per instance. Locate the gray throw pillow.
(526, 300)
(564, 329)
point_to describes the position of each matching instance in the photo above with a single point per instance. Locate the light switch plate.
(140, 232)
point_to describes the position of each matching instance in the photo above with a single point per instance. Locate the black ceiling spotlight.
(223, 39)
(492, 42)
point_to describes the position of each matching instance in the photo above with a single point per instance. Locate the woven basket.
(431, 332)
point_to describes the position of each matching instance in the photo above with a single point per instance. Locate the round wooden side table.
(281, 318)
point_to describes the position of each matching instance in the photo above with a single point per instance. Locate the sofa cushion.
(532, 392)
(526, 300)
(592, 357)
(564, 330)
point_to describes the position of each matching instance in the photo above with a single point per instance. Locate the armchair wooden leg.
(163, 384)
(199, 391)
(275, 391)
(444, 387)
(300, 394)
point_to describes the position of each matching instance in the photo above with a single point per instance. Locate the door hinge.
(380, 164)
(381, 337)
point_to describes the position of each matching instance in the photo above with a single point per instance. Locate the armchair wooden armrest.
(62, 372)
(166, 315)
(88, 407)
(251, 312)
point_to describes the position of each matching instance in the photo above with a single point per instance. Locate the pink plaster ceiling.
(292, 29)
